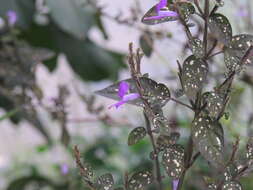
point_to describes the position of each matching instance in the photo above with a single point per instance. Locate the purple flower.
(12, 17)
(175, 184)
(123, 94)
(162, 13)
(64, 169)
(242, 12)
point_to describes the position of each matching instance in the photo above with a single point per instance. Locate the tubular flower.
(124, 95)
(162, 11)
(175, 184)
(12, 17)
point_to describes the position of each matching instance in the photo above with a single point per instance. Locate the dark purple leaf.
(193, 76)
(220, 27)
(105, 182)
(173, 161)
(136, 135)
(207, 141)
(140, 180)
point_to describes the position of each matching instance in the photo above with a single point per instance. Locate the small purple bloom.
(162, 13)
(160, 5)
(242, 12)
(12, 17)
(175, 184)
(64, 169)
(124, 97)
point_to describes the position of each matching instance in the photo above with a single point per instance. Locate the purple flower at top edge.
(175, 184)
(12, 17)
(162, 13)
(160, 5)
(124, 97)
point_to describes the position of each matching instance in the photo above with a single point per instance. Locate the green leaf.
(231, 185)
(214, 104)
(212, 187)
(186, 9)
(207, 140)
(146, 43)
(73, 17)
(173, 160)
(8, 114)
(235, 51)
(105, 182)
(136, 135)
(140, 180)
(88, 60)
(220, 28)
(249, 152)
(88, 171)
(119, 188)
(164, 141)
(193, 76)
(25, 10)
(155, 93)
(197, 47)
(230, 172)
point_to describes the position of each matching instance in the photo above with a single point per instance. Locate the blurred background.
(55, 53)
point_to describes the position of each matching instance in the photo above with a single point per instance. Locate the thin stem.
(206, 14)
(187, 162)
(157, 164)
(181, 103)
(147, 109)
(196, 2)
(212, 48)
(217, 53)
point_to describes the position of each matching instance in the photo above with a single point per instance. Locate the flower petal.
(123, 89)
(175, 184)
(125, 99)
(117, 105)
(162, 14)
(131, 96)
(12, 17)
(160, 5)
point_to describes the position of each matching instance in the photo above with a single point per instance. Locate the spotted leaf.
(215, 101)
(231, 185)
(214, 104)
(153, 12)
(193, 76)
(140, 180)
(249, 152)
(230, 172)
(146, 42)
(164, 141)
(88, 171)
(197, 47)
(186, 9)
(136, 135)
(156, 94)
(207, 141)
(173, 160)
(212, 186)
(236, 50)
(220, 27)
(105, 182)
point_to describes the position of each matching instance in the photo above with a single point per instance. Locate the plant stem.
(206, 17)
(181, 103)
(134, 63)
(157, 164)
